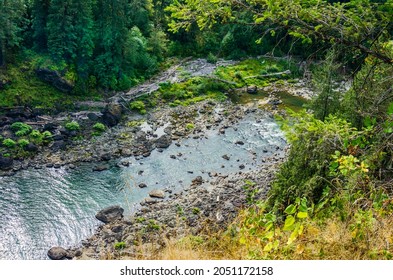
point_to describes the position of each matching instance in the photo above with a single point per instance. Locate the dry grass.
(332, 239)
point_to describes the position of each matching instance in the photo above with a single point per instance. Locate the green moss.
(26, 88)
(251, 71)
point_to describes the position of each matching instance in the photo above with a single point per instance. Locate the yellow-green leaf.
(302, 215)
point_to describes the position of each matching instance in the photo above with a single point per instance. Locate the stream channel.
(56, 207)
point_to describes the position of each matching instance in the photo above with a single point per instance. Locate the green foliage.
(152, 225)
(23, 143)
(190, 126)
(352, 24)
(21, 129)
(72, 126)
(120, 245)
(327, 97)
(138, 106)
(99, 127)
(211, 58)
(9, 143)
(11, 19)
(306, 172)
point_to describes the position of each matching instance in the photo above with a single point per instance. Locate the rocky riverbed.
(203, 205)
(209, 202)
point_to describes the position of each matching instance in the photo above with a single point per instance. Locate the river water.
(56, 207)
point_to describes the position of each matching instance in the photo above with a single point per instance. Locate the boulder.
(58, 145)
(57, 253)
(106, 157)
(6, 163)
(164, 141)
(142, 185)
(252, 89)
(197, 181)
(157, 194)
(54, 78)
(110, 214)
(50, 126)
(31, 148)
(112, 114)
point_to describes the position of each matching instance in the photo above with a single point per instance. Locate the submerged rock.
(110, 214)
(100, 168)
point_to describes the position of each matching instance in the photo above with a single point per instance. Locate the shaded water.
(290, 101)
(56, 207)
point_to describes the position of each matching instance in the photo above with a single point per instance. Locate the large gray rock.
(112, 114)
(6, 163)
(55, 79)
(164, 141)
(57, 253)
(110, 214)
(157, 194)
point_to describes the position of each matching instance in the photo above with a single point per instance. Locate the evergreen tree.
(111, 35)
(11, 15)
(61, 34)
(83, 35)
(39, 19)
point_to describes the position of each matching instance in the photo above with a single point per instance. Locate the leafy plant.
(190, 126)
(72, 126)
(99, 127)
(9, 143)
(120, 245)
(138, 106)
(23, 143)
(21, 129)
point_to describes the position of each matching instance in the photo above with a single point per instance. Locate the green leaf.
(268, 247)
(290, 210)
(302, 215)
(289, 223)
(269, 235)
(269, 225)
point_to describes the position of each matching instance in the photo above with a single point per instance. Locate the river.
(56, 207)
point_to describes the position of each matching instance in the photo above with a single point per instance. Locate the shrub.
(9, 143)
(190, 126)
(120, 245)
(21, 129)
(211, 58)
(72, 126)
(47, 136)
(99, 127)
(138, 106)
(23, 143)
(313, 143)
